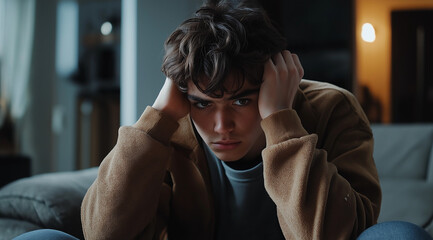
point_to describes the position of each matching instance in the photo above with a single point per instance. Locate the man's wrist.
(268, 112)
(282, 125)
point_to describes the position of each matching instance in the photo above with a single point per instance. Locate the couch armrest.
(50, 200)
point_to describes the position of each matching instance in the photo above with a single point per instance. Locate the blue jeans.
(45, 234)
(395, 230)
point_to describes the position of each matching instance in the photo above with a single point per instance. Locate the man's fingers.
(298, 65)
(291, 63)
(286, 62)
(288, 57)
(278, 61)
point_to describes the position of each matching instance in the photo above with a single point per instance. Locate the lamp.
(106, 28)
(368, 33)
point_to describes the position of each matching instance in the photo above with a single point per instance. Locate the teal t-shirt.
(244, 209)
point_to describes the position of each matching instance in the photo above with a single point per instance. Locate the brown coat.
(318, 169)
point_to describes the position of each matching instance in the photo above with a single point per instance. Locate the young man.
(237, 146)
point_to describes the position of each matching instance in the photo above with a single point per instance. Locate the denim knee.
(45, 234)
(395, 230)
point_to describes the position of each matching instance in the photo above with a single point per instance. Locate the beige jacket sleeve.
(321, 194)
(113, 208)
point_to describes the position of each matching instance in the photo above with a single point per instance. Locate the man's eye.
(241, 102)
(201, 105)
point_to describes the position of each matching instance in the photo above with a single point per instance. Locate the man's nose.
(224, 122)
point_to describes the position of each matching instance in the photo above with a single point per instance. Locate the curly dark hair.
(219, 40)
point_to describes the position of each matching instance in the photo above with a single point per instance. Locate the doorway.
(412, 66)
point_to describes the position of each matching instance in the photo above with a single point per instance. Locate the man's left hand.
(281, 77)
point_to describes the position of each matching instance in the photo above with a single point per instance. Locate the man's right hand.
(171, 101)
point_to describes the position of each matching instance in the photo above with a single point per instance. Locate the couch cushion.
(49, 200)
(406, 200)
(10, 228)
(402, 150)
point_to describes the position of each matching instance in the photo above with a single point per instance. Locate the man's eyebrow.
(195, 98)
(244, 93)
(233, 97)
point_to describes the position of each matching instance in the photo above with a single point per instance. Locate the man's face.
(230, 125)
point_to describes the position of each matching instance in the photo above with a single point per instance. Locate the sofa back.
(404, 150)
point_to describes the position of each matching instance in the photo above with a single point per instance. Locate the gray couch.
(44, 201)
(404, 159)
(403, 155)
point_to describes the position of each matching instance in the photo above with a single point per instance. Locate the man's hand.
(281, 77)
(171, 101)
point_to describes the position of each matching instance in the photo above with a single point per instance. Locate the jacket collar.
(184, 136)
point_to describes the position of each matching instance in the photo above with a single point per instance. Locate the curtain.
(17, 24)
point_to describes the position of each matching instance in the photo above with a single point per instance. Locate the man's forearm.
(122, 202)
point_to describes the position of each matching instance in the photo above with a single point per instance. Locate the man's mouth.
(225, 144)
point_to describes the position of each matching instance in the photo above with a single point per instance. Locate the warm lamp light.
(368, 33)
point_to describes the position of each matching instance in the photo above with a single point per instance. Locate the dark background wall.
(321, 33)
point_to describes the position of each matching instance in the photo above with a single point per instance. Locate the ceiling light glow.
(106, 28)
